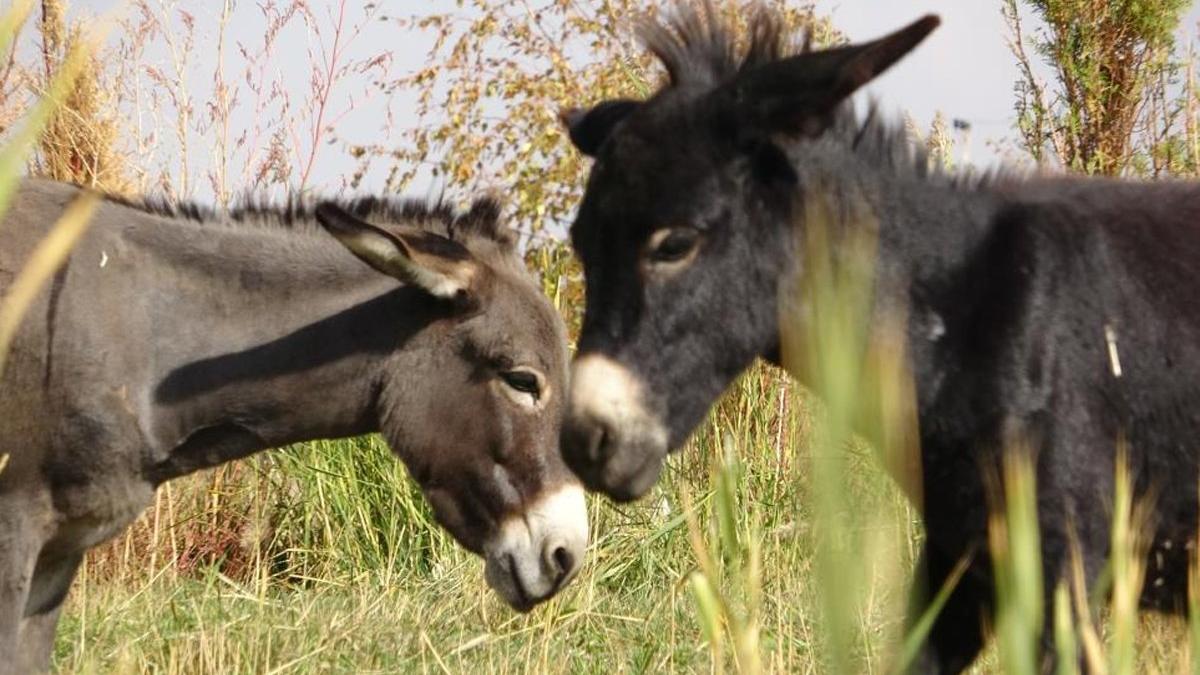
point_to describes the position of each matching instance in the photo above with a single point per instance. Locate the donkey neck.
(930, 229)
(268, 337)
(927, 222)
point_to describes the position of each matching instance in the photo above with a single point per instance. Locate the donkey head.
(474, 403)
(687, 228)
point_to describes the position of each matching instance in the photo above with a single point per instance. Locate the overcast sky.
(964, 69)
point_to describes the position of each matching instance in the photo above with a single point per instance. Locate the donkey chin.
(536, 553)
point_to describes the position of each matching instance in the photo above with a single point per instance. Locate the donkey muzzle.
(611, 440)
(536, 553)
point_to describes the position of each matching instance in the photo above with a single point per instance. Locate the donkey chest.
(88, 514)
(95, 477)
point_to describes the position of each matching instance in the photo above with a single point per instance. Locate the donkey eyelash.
(524, 381)
(670, 245)
(674, 247)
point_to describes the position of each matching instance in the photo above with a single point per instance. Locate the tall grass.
(321, 558)
(733, 560)
(853, 361)
(1014, 540)
(1194, 610)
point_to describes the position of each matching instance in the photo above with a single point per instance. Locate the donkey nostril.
(587, 447)
(564, 559)
(588, 443)
(599, 443)
(561, 561)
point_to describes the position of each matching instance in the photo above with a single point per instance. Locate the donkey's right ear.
(440, 266)
(800, 94)
(590, 128)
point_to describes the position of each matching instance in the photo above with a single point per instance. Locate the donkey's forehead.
(519, 318)
(674, 119)
(642, 182)
(673, 136)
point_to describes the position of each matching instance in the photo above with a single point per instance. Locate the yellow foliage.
(80, 142)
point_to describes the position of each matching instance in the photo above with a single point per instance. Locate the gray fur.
(174, 340)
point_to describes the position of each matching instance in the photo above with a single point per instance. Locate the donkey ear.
(590, 128)
(801, 93)
(440, 266)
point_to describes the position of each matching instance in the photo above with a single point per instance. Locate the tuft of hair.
(698, 48)
(481, 221)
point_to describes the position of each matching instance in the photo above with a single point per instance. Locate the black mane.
(481, 220)
(697, 48)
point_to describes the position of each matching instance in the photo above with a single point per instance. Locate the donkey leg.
(37, 642)
(51, 582)
(18, 554)
(1088, 538)
(957, 634)
(1053, 576)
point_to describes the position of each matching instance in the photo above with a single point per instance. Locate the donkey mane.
(481, 221)
(698, 50)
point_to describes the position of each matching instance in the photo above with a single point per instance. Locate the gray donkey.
(175, 340)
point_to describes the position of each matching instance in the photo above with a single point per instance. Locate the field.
(774, 542)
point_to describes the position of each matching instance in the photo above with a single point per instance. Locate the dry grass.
(322, 558)
(79, 144)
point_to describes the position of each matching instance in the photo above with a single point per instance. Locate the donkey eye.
(523, 381)
(673, 245)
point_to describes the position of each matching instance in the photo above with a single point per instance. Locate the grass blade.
(1064, 632)
(1131, 523)
(1015, 543)
(710, 611)
(921, 628)
(11, 22)
(1194, 610)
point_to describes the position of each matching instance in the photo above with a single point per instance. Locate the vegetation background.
(323, 557)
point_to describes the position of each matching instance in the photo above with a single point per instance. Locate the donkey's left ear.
(589, 129)
(438, 265)
(800, 94)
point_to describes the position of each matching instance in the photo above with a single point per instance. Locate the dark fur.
(1008, 284)
(481, 220)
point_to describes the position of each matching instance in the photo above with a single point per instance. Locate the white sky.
(964, 69)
